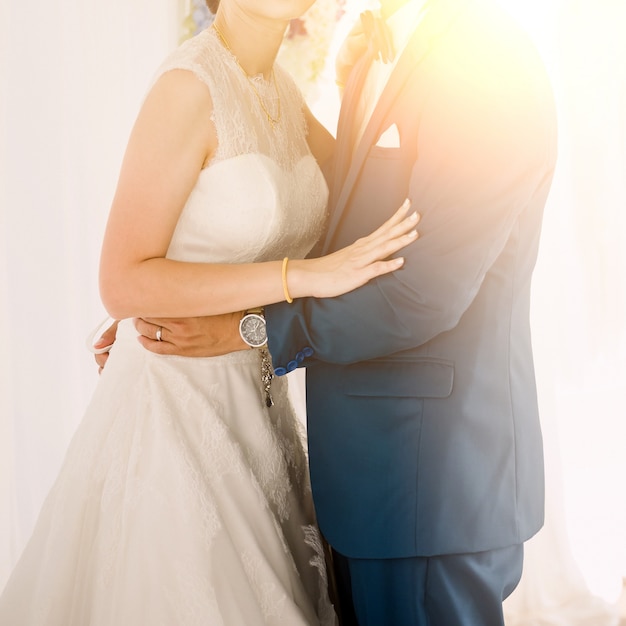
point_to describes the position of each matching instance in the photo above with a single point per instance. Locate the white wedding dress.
(183, 500)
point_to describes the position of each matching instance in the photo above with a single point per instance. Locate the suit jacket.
(423, 425)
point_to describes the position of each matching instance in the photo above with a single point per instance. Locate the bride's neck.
(253, 42)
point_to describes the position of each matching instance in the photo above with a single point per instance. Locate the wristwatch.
(252, 328)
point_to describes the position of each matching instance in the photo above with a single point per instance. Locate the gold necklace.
(272, 120)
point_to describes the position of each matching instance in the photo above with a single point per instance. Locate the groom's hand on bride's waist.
(191, 336)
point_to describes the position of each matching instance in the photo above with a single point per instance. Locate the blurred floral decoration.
(307, 41)
(196, 18)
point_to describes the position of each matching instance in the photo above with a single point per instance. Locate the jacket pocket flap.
(423, 378)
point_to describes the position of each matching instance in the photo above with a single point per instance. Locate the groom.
(424, 438)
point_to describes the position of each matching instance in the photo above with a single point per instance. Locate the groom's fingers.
(148, 328)
(191, 336)
(175, 339)
(157, 347)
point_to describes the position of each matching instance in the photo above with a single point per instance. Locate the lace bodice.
(262, 196)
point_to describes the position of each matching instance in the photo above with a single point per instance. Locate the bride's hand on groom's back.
(106, 340)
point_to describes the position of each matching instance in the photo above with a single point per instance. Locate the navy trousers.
(447, 590)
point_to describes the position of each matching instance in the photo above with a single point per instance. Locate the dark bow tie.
(379, 37)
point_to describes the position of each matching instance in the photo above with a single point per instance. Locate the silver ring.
(159, 334)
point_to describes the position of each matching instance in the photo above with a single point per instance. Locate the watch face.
(252, 328)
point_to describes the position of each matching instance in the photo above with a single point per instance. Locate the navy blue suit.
(423, 427)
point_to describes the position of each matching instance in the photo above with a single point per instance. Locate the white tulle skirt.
(182, 501)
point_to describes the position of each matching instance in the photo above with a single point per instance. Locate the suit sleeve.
(486, 150)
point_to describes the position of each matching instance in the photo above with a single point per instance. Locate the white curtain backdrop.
(72, 76)
(575, 566)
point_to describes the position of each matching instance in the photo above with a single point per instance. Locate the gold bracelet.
(285, 287)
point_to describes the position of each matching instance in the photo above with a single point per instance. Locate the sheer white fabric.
(183, 499)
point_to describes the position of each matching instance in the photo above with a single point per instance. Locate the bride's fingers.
(406, 225)
(384, 267)
(375, 248)
(391, 230)
(397, 218)
(366, 258)
(367, 251)
(387, 247)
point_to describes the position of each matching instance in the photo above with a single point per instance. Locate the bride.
(184, 496)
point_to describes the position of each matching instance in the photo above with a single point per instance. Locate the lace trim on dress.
(242, 128)
(235, 108)
(313, 539)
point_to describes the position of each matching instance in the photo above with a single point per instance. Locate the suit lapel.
(345, 126)
(349, 161)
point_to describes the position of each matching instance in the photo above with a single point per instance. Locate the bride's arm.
(173, 138)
